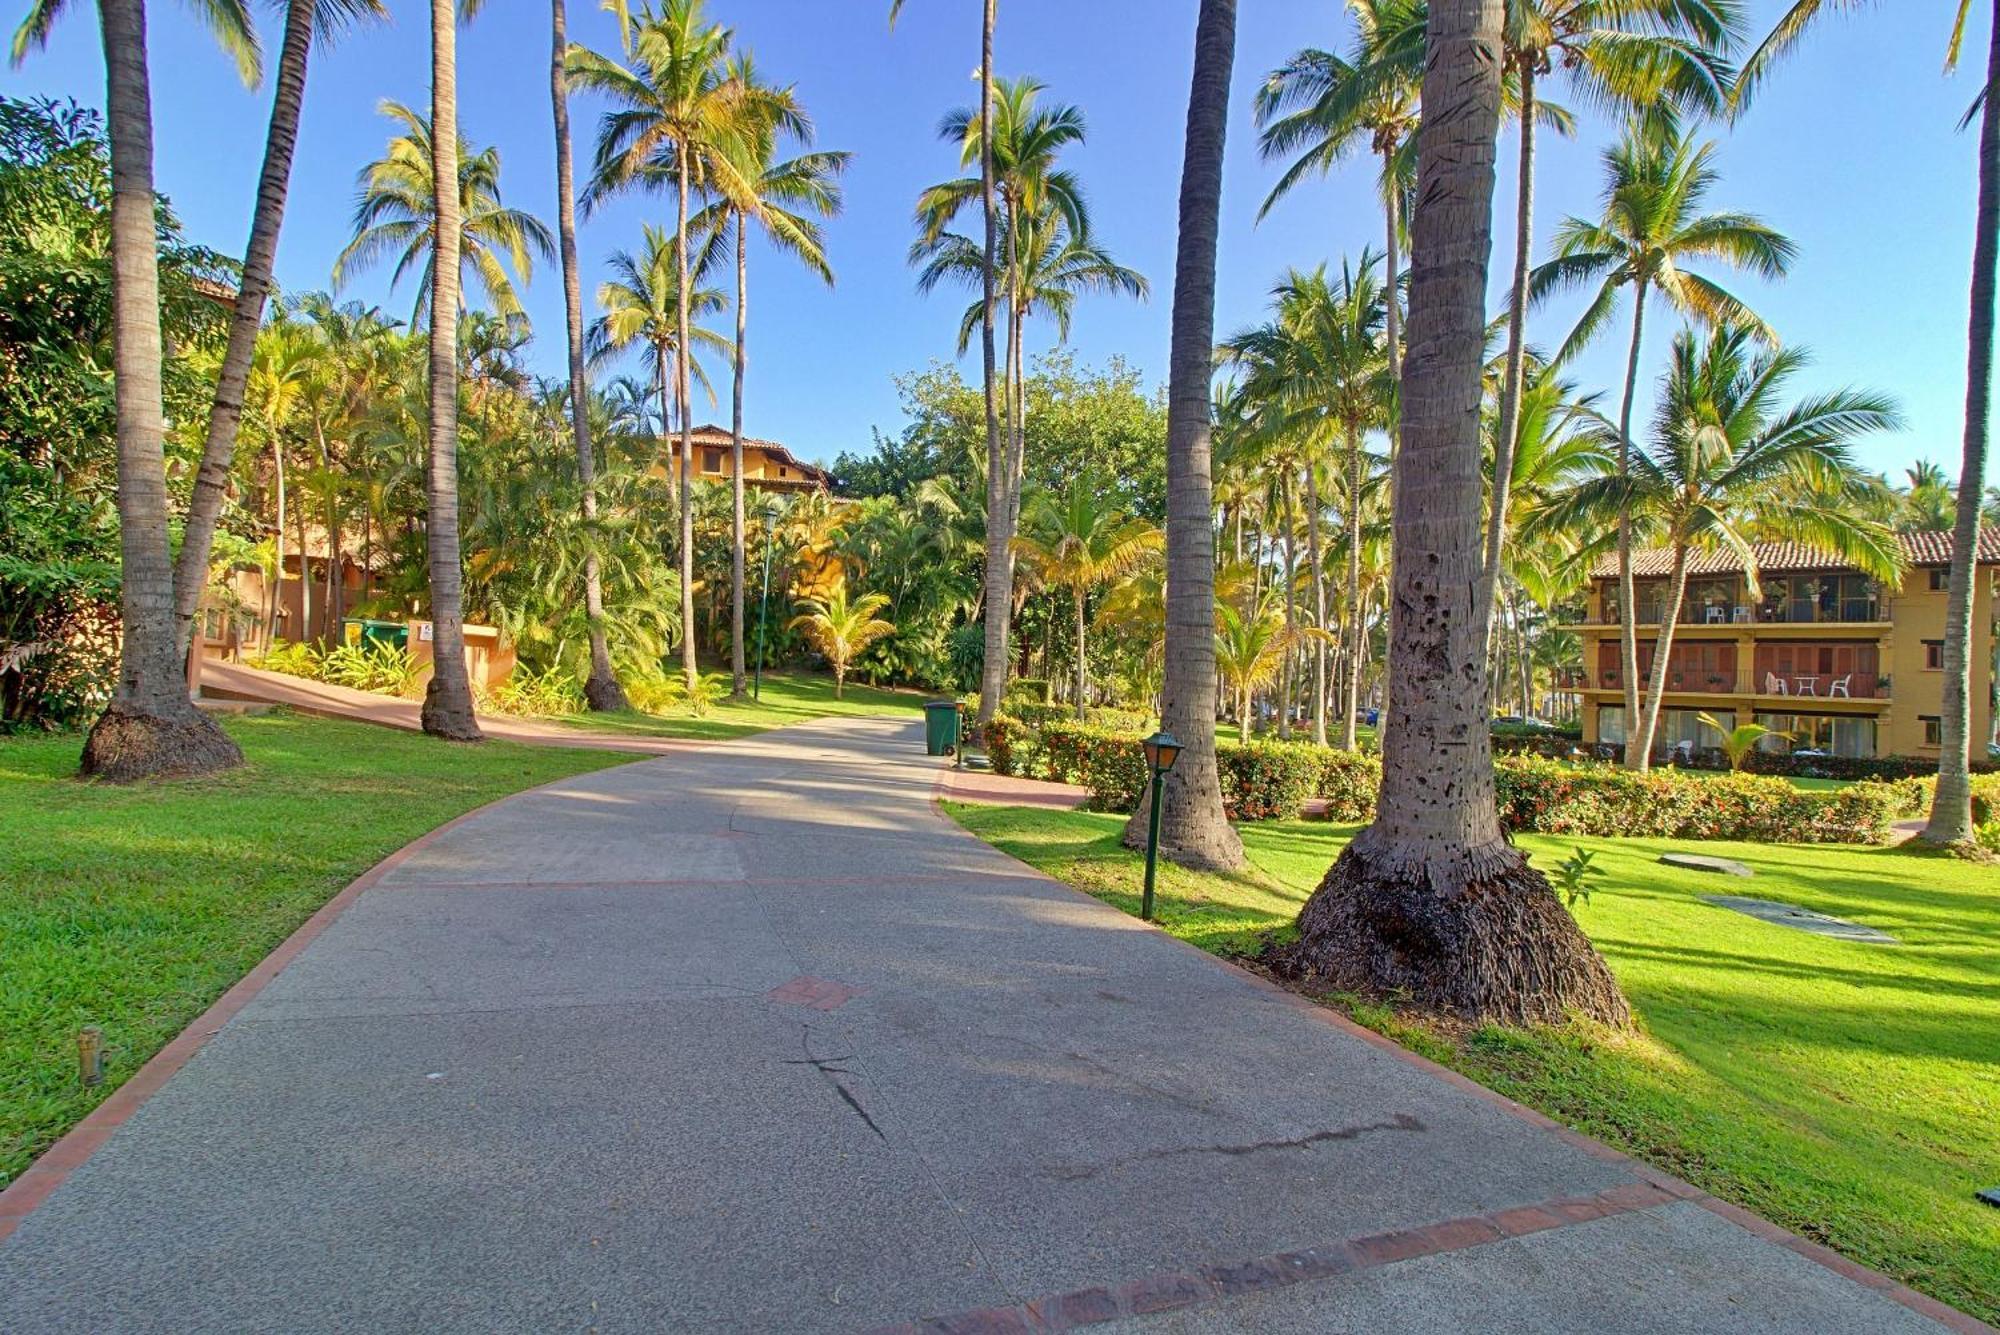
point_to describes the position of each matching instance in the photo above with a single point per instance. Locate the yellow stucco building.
(766, 463)
(1826, 655)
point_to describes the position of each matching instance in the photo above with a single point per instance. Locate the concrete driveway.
(754, 1039)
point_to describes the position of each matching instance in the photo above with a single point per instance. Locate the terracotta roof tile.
(1777, 558)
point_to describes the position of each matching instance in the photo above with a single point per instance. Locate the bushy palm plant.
(840, 630)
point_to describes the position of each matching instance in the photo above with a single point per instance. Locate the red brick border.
(48, 1172)
(1651, 1179)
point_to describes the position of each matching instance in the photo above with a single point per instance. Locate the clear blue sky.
(1853, 150)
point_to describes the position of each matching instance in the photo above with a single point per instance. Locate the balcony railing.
(1790, 685)
(1789, 612)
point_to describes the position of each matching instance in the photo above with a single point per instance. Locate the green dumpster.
(940, 727)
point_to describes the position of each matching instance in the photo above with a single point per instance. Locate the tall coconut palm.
(1193, 829)
(1656, 182)
(840, 630)
(993, 671)
(1722, 449)
(447, 710)
(1250, 651)
(601, 690)
(785, 199)
(306, 22)
(678, 115)
(397, 211)
(1077, 540)
(1430, 901)
(1951, 810)
(151, 727)
(1318, 107)
(1016, 143)
(1620, 53)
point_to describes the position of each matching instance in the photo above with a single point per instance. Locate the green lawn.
(788, 698)
(134, 908)
(1849, 1092)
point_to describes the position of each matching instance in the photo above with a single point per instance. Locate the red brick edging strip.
(1169, 1290)
(1652, 1179)
(41, 1178)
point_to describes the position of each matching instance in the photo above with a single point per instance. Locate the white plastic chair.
(1840, 687)
(1773, 684)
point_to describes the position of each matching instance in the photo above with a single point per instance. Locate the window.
(1934, 655)
(783, 471)
(1834, 734)
(1933, 731)
(1611, 724)
(1940, 579)
(711, 461)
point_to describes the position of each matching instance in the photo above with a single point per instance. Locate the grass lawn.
(788, 698)
(134, 908)
(1849, 1092)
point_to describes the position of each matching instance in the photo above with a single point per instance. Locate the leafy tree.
(1076, 541)
(839, 630)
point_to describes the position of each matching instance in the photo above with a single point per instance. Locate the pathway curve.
(754, 1039)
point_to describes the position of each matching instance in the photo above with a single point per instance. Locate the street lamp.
(1162, 750)
(764, 602)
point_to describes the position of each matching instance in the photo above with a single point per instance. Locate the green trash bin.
(940, 727)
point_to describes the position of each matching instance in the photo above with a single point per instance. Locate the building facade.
(1823, 654)
(766, 464)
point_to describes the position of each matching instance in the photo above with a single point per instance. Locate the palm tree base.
(127, 744)
(1478, 935)
(603, 695)
(448, 714)
(1189, 838)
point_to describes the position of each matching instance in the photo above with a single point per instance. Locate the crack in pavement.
(1400, 1122)
(825, 1066)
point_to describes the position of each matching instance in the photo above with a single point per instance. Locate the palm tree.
(1249, 653)
(1722, 450)
(993, 673)
(1614, 61)
(1656, 181)
(306, 21)
(1430, 901)
(151, 726)
(839, 630)
(1315, 377)
(678, 115)
(1193, 829)
(397, 211)
(601, 690)
(1320, 106)
(786, 199)
(1740, 741)
(447, 710)
(1077, 540)
(1016, 144)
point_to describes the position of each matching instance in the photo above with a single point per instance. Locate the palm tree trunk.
(601, 690)
(151, 727)
(1319, 606)
(1357, 627)
(225, 413)
(1517, 317)
(278, 545)
(999, 593)
(1431, 901)
(305, 565)
(1082, 664)
(1628, 604)
(1951, 808)
(736, 458)
(1656, 684)
(1392, 211)
(1285, 668)
(331, 615)
(668, 417)
(689, 668)
(1193, 829)
(448, 701)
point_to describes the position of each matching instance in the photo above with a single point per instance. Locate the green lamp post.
(1162, 750)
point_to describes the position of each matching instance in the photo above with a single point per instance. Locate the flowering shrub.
(1109, 762)
(1268, 780)
(1348, 783)
(1003, 737)
(1985, 797)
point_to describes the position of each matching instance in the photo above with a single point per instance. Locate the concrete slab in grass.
(1707, 863)
(1804, 920)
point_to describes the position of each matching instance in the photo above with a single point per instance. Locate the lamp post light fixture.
(1162, 750)
(764, 601)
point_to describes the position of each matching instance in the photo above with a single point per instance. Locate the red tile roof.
(1778, 558)
(710, 434)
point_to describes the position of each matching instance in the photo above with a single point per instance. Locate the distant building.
(1827, 655)
(766, 464)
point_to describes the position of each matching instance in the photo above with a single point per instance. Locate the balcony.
(1818, 687)
(1816, 600)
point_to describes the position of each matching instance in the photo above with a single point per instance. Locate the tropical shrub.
(292, 658)
(552, 691)
(386, 669)
(1551, 797)
(1027, 690)
(1348, 784)
(1269, 780)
